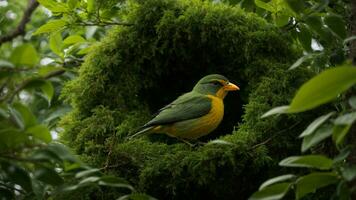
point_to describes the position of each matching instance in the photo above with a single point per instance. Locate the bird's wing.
(187, 106)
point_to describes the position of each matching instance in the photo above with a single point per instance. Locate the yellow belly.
(195, 128)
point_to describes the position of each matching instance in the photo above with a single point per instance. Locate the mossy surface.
(136, 70)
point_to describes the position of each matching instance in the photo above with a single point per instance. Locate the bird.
(193, 114)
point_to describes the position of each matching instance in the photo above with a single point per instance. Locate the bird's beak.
(231, 87)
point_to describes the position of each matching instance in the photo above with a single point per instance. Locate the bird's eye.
(216, 83)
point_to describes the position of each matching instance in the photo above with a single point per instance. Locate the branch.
(104, 24)
(20, 29)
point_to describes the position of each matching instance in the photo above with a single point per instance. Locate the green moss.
(138, 69)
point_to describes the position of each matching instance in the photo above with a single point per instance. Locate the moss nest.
(137, 69)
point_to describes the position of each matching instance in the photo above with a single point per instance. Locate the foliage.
(125, 78)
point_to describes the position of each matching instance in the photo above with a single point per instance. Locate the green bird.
(193, 114)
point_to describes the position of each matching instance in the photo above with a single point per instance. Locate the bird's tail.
(144, 130)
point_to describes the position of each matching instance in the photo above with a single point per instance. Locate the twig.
(104, 24)
(20, 29)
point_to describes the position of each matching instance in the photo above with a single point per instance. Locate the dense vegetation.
(120, 61)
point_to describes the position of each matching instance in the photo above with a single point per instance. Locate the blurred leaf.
(311, 161)
(282, 20)
(11, 138)
(352, 102)
(344, 153)
(72, 4)
(24, 54)
(311, 182)
(296, 5)
(347, 119)
(56, 43)
(339, 133)
(48, 90)
(17, 175)
(315, 138)
(40, 132)
(54, 6)
(113, 181)
(45, 155)
(342, 191)
(314, 21)
(90, 6)
(276, 110)
(277, 179)
(300, 61)
(85, 50)
(264, 6)
(323, 88)
(74, 39)
(315, 124)
(273, 192)
(222, 142)
(136, 196)
(336, 24)
(305, 37)
(349, 173)
(51, 26)
(87, 172)
(88, 181)
(349, 39)
(62, 151)
(25, 114)
(48, 176)
(5, 63)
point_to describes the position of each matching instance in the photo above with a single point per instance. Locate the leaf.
(277, 179)
(62, 151)
(314, 21)
(51, 26)
(24, 54)
(45, 155)
(24, 114)
(323, 88)
(221, 142)
(321, 134)
(305, 38)
(54, 6)
(72, 4)
(352, 102)
(296, 5)
(339, 133)
(5, 63)
(48, 90)
(56, 43)
(315, 124)
(300, 61)
(349, 39)
(312, 182)
(17, 175)
(136, 196)
(40, 132)
(336, 24)
(49, 176)
(273, 192)
(90, 6)
(276, 110)
(347, 119)
(87, 172)
(282, 20)
(73, 39)
(349, 173)
(113, 181)
(344, 153)
(11, 138)
(264, 6)
(310, 161)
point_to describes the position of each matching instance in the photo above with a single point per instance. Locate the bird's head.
(216, 85)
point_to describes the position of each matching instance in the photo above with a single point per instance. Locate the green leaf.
(17, 175)
(296, 5)
(48, 90)
(40, 132)
(113, 181)
(87, 172)
(136, 196)
(90, 6)
(264, 6)
(51, 26)
(73, 39)
(273, 192)
(315, 124)
(318, 91)
(336, 24)
(311, 182)
(49, 176)
(72, 4)
(62, 151)
(305, 37)
(5, 63)
(54, 6)
(45, 155)
(314, 21)
(300, 61)
(25, 54)
(276, 110)
(310, 161)
(56, 43)
(344, 153)
(352, 102)
(321, 134)
(11, 138)
(339, 133)
(282, 20)
(347, 119)
(24, 114)
(349, 173)
(277, 179)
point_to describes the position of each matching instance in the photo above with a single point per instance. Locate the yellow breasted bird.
(193, 114)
